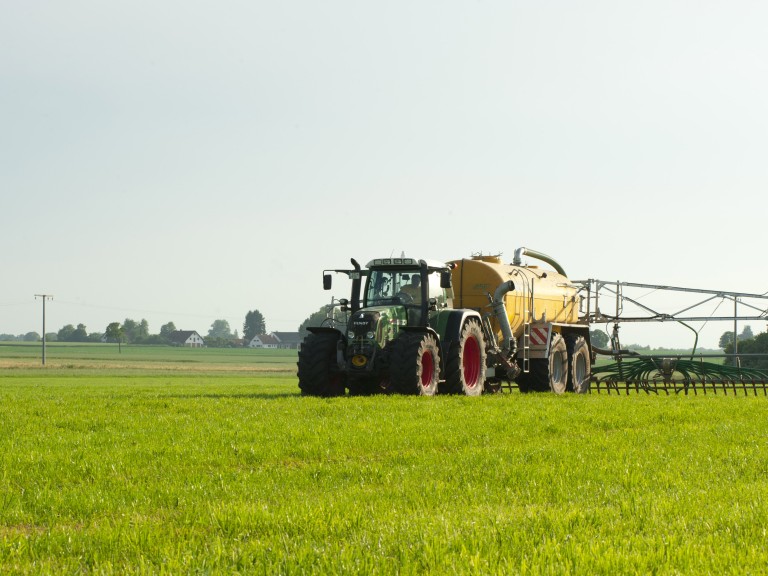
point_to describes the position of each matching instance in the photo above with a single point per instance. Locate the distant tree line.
(28, 337)
(748, 344)
(727, 338)
(131, 331)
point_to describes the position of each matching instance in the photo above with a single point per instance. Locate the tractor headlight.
(351, 335)
(370, 335)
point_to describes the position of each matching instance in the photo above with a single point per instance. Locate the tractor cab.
(414, 284)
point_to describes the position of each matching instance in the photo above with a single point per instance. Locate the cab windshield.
(386, 287)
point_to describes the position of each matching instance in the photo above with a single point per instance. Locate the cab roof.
(405, 263)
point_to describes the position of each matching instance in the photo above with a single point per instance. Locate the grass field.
(213, 464)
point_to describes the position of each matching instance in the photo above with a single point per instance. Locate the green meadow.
(181, 461)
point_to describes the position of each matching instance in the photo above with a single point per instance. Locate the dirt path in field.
(79, 364)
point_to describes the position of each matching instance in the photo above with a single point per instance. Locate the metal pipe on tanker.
(500, 310)
(518, 259)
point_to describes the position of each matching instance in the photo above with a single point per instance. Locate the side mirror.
(327, 281)
(445, 279)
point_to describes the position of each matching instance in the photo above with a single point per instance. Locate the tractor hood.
(376, 323)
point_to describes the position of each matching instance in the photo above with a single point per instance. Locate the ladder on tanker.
(529, 316)
(526, 347)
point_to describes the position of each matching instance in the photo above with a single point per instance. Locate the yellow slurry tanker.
(462, 327)
(531, 316)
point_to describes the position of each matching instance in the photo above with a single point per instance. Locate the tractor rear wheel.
(579, 364)
(318, 373)
(465, 364)
(415, 364)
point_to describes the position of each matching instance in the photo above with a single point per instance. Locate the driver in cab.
(413, 289)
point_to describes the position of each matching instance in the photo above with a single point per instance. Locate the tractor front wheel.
(318, 372)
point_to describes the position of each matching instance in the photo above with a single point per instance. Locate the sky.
(190, 161)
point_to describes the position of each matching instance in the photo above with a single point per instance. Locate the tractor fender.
(424, 329)
(326, 330)
(448, 325)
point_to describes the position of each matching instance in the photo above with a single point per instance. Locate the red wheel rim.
(471, 362)
(427, 369)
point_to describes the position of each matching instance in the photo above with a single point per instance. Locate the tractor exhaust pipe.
(356, 283)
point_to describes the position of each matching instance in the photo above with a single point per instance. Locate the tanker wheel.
(465, 364)
(579, 364)
(415, 364)
(558, 365)
(547, 373)
(318, 373)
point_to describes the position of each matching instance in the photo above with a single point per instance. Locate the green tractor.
(402, 335)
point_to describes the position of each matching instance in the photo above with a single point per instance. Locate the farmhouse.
(288, 339)
(263, 341)
(186, 338)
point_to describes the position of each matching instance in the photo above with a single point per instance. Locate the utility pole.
(44, 297)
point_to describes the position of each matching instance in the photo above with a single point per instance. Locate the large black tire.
(558, 365)
(579, 364)
(318, 373)
(465, 362)
(415, 364)
(547, 374)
